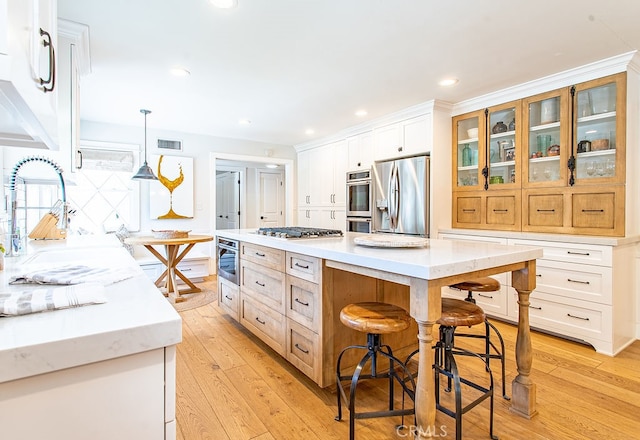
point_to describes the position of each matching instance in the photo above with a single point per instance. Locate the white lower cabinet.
(585, 290)
(129, 397)
(195, 267)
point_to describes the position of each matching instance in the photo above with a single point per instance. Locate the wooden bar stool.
(374, 319)
(483, 285)
(457, 313)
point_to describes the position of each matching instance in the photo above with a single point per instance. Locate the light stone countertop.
(135, 318)
(563, 238)
(440, 258)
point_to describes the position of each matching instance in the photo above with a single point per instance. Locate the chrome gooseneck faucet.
(12, 187)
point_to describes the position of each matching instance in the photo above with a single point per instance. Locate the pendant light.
(145, 172)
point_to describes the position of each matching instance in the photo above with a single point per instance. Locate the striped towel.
(52, 298)
(76, 274)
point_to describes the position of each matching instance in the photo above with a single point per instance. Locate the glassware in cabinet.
(598, 139)
(545, 144)
(503, 145)
(468, 150)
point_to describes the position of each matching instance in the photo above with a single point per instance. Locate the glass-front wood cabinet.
(558, 158)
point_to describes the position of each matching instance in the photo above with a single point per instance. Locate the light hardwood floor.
(232, 386)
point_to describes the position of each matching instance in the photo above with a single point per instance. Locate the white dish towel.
(76, 274)
(50, 298)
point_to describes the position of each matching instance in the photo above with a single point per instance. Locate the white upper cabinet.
(405, 138)
(360, 151)
(28, 94)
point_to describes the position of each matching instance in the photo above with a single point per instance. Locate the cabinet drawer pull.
(468, 210)
(260, 255)
(300, 302)
(261, 322)
(500, 210)
(586, 254)
(301, 349)
(260, 284)
(535, 308)
(577, 317)
(228, 297)
(301, 266)
(578, 281)
(593, 210)
(546, 210)
(186, 269)
(485, 296)
(539, 275)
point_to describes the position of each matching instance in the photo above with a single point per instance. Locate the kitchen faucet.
(15, 236)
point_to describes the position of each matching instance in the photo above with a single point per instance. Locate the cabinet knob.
(399, 148)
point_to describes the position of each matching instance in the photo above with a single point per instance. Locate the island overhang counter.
(425, 270)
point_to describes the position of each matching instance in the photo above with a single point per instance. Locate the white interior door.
(228, 201)
(271, 199)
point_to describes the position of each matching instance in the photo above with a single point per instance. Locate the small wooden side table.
(173, 256)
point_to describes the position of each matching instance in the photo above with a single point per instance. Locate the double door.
(486, 175)
(553, 162)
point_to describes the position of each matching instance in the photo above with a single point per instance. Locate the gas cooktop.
(299, 232)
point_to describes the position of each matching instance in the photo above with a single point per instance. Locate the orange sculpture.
(171, 185)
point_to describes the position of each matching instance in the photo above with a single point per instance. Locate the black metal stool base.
(491, 350)
(374, 349)
(446, 365)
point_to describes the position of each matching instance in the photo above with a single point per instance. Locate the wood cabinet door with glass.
(503, 146)
(599, 130)
(468, 151)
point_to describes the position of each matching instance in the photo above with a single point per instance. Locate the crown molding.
(78, 34)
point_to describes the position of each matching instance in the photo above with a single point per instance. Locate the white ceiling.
(289, 65)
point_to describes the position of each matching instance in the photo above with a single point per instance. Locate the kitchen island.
(101, 371)
(420, 273)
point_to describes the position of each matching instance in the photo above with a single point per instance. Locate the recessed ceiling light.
(309, 131)
(361, 113)
(180, 71)
(244, 122)
(271, 165)
(224, 4)
(448, 82)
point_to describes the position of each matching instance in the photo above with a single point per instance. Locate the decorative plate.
(391, 241)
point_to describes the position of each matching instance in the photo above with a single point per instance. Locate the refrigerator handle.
(394, 196)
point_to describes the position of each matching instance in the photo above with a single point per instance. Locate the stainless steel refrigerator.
(401, 194)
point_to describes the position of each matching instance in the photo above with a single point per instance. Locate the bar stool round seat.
(374, 319)
(484, 284)
(457, 313)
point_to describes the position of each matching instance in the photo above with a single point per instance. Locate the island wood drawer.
(229, 297)
(303, 266)
(578, 319)
(302, 349)
(263, 284)
(578, 281)
(302, 302)
(571, 252)
(265, 256)
(265, 323)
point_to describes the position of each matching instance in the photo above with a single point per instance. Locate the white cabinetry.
(28, 93)
(404, 138)
(126, 397)
(73, 63)
(322, 186)
(360, 151)
(585, 289)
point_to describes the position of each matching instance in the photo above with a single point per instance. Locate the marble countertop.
(564, 238)
(440, 258)
(135, 318)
